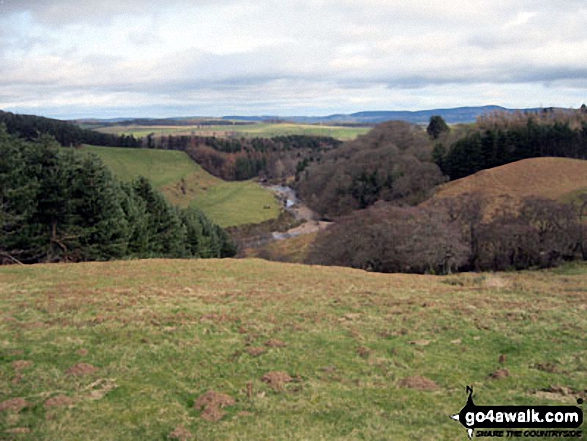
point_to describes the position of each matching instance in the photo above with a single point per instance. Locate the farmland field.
(128, 350)
(186, 183)
(262, 130)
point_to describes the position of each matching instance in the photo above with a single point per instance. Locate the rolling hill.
(185, 183)
(559, 179)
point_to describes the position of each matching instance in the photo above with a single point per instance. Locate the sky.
(147, 58)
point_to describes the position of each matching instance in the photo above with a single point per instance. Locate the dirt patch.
(59, 401)
(560, 394)
(418, 382)
(14, 405)
(19, 365)
(549, 367)
(499, 374)
(83, 352)
(363, 351)
(82, 369)
(212, 403)
(559, 390)
(256, 351)
(181, 433)
(276, 380)
(275, 343)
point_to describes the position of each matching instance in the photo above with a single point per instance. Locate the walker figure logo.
(519, 417)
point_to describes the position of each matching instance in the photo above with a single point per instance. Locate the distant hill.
(560, 179)
(452, 116)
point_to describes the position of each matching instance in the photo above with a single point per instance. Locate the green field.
(263, 130)
(124, 350)
(185, 183)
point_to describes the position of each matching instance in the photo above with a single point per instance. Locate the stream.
(302, 212)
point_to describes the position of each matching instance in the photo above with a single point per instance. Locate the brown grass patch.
(418, 382)
(212, 403)
(181, 433)
(82, 369)
(276, 380)
(420, 342)
(100, 388)
(59, 401)
(19, 430)
(83, 352)
(14, 404)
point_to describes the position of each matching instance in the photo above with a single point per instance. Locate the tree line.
(245, 158)
(60, 204)
(499, 139)
(456, 235)
(31, 127)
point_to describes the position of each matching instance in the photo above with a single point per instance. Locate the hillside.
(185, 183)
(126, 350)
(559, 179)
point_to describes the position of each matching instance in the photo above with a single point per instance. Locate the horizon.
(268, 115)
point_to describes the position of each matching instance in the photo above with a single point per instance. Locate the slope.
(185, 183)
(559, 179)
(126, 350)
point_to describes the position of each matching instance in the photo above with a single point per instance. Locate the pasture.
(261, 130)
(249, 349)
(185, 183)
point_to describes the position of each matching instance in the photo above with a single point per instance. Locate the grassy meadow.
(261, 130)
(130, 349)
(186, 183)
